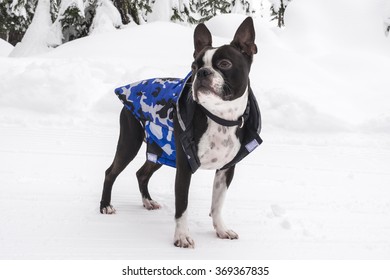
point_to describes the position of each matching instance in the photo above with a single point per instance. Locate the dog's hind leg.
(143, 176)
(130, 140)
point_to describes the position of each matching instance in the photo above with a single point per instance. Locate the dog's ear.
(202, 38)
(244, 39)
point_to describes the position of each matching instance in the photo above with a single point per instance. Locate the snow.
(161, 11)
(317, 188)
(106, 19)
(5, 48)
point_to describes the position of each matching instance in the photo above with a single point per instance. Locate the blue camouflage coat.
(152, 102)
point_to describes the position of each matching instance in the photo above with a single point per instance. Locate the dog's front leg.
(222, 180)
(182, 183)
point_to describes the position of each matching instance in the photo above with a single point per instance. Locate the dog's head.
(221, 74)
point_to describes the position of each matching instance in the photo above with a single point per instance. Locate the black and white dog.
(216, 123)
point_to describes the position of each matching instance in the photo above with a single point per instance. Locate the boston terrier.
(215, 122)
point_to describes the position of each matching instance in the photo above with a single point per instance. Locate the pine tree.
(209, 8)
(89, 14)
(72, 20)
(16, 16)
(54, 9)
(184, 11)
(3, 20)
(123, 7)
(134, 10)
(242, 7)
(139, 10)
(278, 8)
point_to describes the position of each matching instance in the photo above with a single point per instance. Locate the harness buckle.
(242, 122)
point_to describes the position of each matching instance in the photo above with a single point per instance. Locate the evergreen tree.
(123, 7)
(134, 10)
(139, 10)
(54, 9)
(184, 11)
(15, 17)
(209, 8)
(242, 7)
(72, 20)
(278, 8)
(89, 14)
(3, 20)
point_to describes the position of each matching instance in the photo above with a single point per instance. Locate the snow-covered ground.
(317, 188)
(5, 48)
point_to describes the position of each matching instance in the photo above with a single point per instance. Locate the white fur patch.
(108, 210)
(150, 204)
(219, 193)
(182, 237)
(219, 144)
(227, 109)
(208, 57)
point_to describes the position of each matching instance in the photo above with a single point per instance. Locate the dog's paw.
(184, 241)
(150, 204)
(227, 234)
(108, 210)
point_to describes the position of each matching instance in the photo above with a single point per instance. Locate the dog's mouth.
(203, 91)
(203, 87)
(207, 90)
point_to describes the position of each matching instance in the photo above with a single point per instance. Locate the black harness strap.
(240, 121)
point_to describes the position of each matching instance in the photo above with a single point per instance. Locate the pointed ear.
(202, 38)
(244, 39)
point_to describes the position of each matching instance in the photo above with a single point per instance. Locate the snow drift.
(5, 48)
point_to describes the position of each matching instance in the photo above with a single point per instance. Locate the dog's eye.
(224, 64)
(194, 67)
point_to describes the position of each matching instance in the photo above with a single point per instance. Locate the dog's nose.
(203, 72)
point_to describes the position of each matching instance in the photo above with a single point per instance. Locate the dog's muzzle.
(206, 82)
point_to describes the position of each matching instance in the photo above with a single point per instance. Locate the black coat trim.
(185, 108)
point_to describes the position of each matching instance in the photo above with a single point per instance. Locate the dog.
(216, 123)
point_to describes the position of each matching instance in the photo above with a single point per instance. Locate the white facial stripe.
(217, 82)
(208, 57)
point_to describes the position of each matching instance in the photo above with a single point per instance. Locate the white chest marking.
(218, 146)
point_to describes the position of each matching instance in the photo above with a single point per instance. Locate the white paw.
(183, 240)
(227, 234)
(108, 210)
(150, 204)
